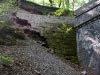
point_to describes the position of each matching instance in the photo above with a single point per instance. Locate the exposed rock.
(18, 21)
(41, 22)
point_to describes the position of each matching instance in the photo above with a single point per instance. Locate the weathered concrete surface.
(39, 22)
(88, 42)
(84, 13)
(88, 37)
(86, 7)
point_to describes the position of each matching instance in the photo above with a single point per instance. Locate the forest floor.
(34, 60)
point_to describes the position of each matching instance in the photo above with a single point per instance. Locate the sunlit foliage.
(68, 4)
(7, 6)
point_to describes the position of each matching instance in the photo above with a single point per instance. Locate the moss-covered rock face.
(63, 41)
(9, 35)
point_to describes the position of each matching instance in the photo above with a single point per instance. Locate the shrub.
(5, 60)
(63, 12)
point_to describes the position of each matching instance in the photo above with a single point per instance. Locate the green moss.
(63, 41)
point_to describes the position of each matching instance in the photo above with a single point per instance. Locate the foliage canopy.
(68, 4)
(6, 6)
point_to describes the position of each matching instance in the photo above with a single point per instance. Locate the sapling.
(5, 60)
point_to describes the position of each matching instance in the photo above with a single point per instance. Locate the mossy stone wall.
(62, 40)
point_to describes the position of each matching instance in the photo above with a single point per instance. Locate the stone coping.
(89, 6)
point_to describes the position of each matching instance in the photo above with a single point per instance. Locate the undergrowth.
(5, 60)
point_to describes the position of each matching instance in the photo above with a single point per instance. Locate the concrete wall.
(39, 22)
(88, 42)
(88, 36)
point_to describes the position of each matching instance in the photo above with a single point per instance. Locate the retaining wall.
(88, 36)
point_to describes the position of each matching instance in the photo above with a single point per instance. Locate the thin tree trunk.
(67, 4)
(59, 3)
(51, 2)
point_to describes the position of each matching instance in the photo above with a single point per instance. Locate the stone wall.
(39, 22)
(88, 36)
